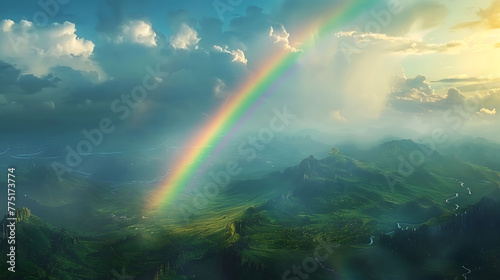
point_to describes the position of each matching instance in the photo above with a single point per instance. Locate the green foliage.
(294, 239)
(23, 214)
(334, 152)
(165, 272)
(252, 229)
(44, 252)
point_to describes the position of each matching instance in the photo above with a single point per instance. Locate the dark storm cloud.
(200, 77)
(8, 73)
(31, 84)
(12, 81)
(199, 80)
(254, 22)
(210, 30)
(110, 21)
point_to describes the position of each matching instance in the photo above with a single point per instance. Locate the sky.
(394, 68)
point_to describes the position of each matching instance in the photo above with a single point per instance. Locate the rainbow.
(245, 97)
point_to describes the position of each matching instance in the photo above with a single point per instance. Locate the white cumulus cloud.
(37, 49)
(184, 38)
(485, 111)
(238, 55)
(280, 35)
(139, 32)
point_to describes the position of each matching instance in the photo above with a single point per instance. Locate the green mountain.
(338, 216)
(477, 151)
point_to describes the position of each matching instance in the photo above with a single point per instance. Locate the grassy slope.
(345, 209)
(265, 224)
